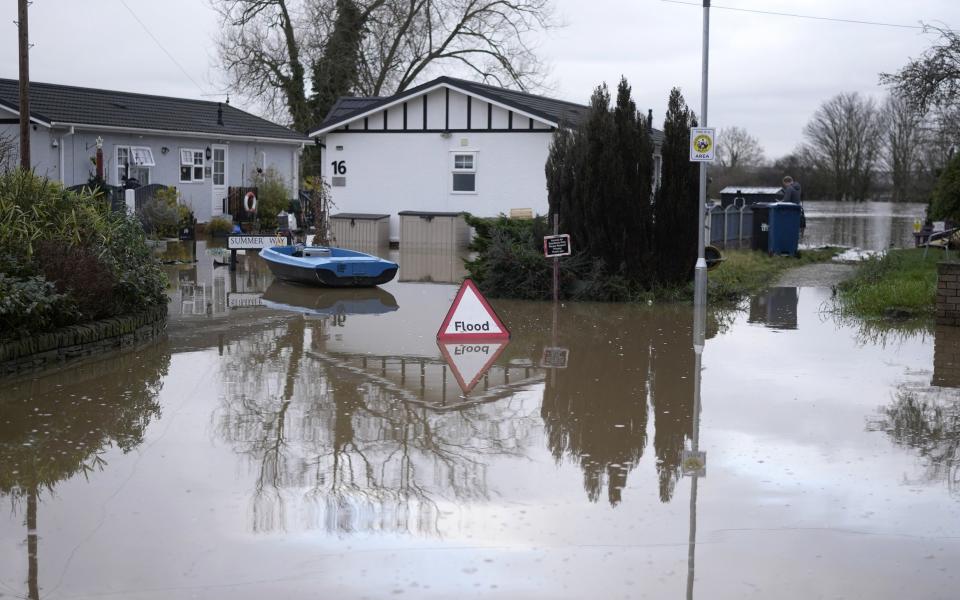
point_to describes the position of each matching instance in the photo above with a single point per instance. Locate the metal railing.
(729, 227)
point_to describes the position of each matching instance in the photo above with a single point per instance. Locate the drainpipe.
(63, 178)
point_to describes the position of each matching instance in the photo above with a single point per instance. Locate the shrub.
(159, 218)
(79, 273)
(93, 258)
(220, 226)
(945, 201)
(32, 304)
(272, 197)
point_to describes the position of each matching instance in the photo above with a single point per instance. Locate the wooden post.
(23, 31)
(556, 261)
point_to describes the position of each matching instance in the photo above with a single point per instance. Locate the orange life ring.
(250, 202)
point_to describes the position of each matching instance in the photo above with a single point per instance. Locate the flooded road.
(864, 225)
(293, 443)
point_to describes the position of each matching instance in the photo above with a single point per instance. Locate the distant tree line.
(856, 148)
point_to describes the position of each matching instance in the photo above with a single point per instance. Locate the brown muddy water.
(284, 442)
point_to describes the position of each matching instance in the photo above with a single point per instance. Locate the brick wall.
(45, 350)
(946, 357)
(948, 294)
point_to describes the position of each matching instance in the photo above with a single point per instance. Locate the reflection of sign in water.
(255, 242)
(469, 361)
(556, 245)
(694, 464)
(471, 317)
(702, 146)
(240, 299)
(555, 358)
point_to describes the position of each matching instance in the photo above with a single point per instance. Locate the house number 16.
(339, 167)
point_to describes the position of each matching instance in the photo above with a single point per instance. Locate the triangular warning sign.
(471, 318)
(469, 361)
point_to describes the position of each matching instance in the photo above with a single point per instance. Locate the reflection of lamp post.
(694, 462)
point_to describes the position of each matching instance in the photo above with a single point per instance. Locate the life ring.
(250, 202)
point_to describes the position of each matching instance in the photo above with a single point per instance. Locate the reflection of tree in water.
(596, 410)
(343, 447)
(930, 425)
(61, 425)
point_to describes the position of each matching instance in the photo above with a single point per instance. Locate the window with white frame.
(133, 162)
(191, 165)
(464, 173)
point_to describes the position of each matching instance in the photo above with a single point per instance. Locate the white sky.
(767, 73)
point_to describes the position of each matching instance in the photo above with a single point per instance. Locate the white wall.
(391, 172)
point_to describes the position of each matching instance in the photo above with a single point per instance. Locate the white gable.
(444, 107)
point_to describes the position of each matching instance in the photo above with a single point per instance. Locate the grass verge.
(901, 285)
(747, 272)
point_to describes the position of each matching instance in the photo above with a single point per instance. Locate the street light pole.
(700, 278)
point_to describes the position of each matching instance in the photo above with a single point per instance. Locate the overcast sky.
(767, 73)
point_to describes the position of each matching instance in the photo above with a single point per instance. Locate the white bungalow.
(449, 145)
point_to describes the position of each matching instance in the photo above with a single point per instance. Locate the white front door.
(219, 175)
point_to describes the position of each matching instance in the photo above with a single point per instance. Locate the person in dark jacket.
(791, 193)
(791, 190)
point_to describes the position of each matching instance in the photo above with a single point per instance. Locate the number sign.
(338, 167)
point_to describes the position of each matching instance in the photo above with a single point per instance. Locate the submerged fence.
(730, 227)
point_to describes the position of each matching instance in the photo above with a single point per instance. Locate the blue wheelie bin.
(776, 227)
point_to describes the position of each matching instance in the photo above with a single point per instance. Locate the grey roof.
(69, 105)
(746, 190)
(550, 109)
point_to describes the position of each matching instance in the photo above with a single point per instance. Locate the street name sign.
(703, 147)
(471, 318)
(556, 245)
(255, 242)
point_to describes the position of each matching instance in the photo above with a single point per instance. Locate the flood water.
(284, 442)
(864, 225)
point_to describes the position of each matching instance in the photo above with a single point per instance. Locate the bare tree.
(737, 149)
(903, 144)
(844, 139)
(934, 78)
(297, 56)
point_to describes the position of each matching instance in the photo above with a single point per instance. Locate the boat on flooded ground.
(332, 302)
(328, 266)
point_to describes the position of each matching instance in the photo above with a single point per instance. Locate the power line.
(159, 45)
(799, 16)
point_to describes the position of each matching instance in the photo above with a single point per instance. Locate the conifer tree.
(677, 200)
(599, 182)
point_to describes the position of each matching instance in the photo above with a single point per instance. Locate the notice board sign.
(556, 245)
(555, 358)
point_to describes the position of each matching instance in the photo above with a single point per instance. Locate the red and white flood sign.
(469, 361)
(471, 318)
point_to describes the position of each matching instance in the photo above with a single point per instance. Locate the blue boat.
(327, 266)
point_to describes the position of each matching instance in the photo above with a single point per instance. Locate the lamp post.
(700, 273)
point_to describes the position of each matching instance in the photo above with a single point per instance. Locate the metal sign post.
(556, 261)
(700, 278)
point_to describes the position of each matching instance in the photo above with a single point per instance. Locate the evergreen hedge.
(630, 242)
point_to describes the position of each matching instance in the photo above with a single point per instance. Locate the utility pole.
(22, 27)
(700, 277)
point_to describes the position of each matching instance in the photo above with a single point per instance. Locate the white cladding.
(393, 169)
